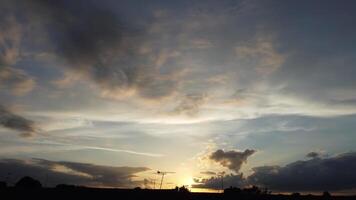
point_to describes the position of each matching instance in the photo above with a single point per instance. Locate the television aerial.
(162, 173)
(153, 181)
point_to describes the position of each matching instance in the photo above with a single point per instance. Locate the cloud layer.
(52, 173)
(217, 182)
(183, 53)
(98, 44)
(316, 174)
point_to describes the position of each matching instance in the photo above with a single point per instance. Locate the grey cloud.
(16, 81)
(208, 173)
(317, 174)
(324, 59)
(10, 40)
(94, 41)
(262, 55)
(313, 154)
(335, 173)
(231, 159)
(190, 104)
(16, 122)
(51, 173)
(215, 182)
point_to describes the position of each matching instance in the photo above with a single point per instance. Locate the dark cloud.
(317, 174)
(335, 173)
(216, 182)
(96, 41)
(231, 159)
(89, 38)
(208, 173)
(313, 154)
(92, 39)
(324, 59)
(16, 122)
(83, 32)
(52, 173)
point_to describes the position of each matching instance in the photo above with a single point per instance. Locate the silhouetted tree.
(326, 195)
(295, 195)
(137, 188)
(254, 190)
(183, 189)
(265, 191)
(65, 186)
(28, 183)
(3, 185)
(231, 189)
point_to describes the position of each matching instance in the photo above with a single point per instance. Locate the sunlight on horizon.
(120, 94)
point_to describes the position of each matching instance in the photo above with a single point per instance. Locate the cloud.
(16, 122)
(262, 55)
(94, 41)
(201, 43)
(216, 182)
(318, 174)
(10, 40)
(324, 60)
(313, 154)
(190, 104)
(16, 81)
(76, 146)
(233, 160)
(208, 173)
(52, 173)
(139, 55)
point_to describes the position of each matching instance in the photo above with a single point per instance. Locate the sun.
(187, 181)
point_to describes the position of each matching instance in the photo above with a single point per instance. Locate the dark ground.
(96, 193)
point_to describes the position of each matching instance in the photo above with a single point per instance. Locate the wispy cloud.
(16, 122)
(16, 81)
(77, 146)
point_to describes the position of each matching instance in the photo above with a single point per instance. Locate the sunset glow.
(204, 94)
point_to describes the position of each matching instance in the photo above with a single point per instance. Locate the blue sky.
(162, 85)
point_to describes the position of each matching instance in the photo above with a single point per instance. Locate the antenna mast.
(163, 174)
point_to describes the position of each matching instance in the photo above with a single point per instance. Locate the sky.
(105, 93)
